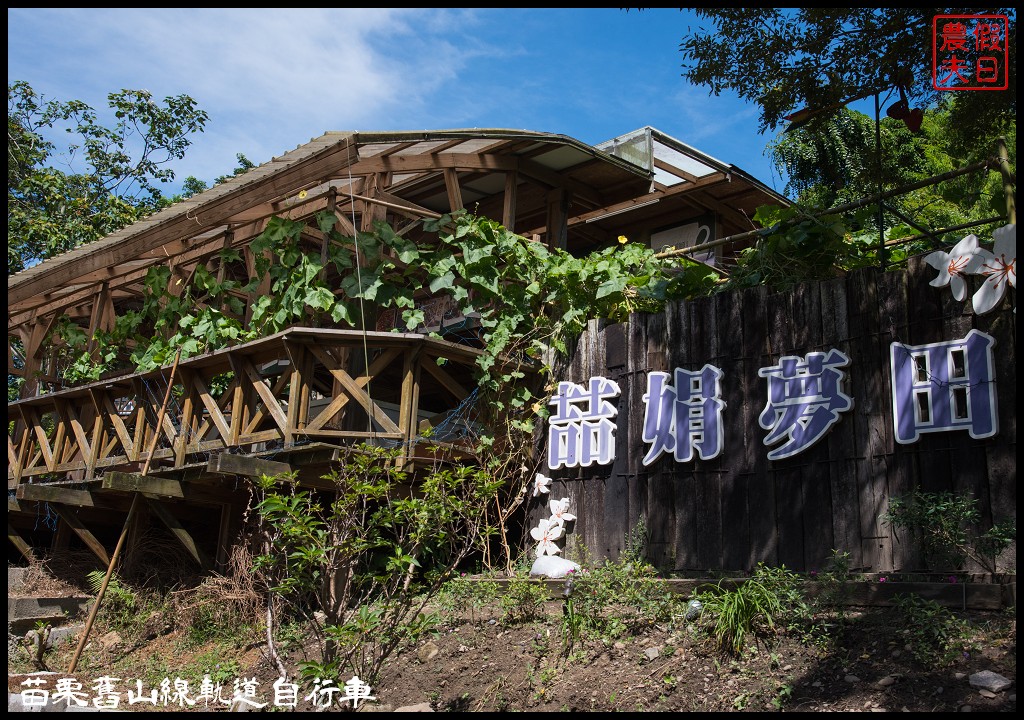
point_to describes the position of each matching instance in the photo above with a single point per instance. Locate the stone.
(852, 679)
(652, 653)
(887, 681)
(988, 680)
(552, 567)
(111, 639)
(987, 694)
(427, 651)
(418, 707)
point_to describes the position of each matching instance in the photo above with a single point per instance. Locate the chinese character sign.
(580, 430)
(686, 417)
(970, 52)
(108, 696)
(805, 398)
(944, 386)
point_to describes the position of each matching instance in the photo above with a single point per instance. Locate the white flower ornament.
(546, 532)
(998, 267)
(541, 484)
(962, 260)
(560, 511)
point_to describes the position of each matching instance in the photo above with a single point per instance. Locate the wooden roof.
(530, 181)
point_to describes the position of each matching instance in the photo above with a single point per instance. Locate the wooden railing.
(293, 388)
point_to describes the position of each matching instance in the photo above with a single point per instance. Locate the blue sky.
(273, 79)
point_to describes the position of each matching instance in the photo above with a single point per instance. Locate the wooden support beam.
(451, 184)
(343, 224)
(224, 536)
(176, 486)
(212, 407)
(557, 219)
(508, 215)
(409, 402)
(179, 532)
(23, 547)
(185, 424)
(355, 390)
(148, 484)
(104, 405)
(341, 399)
(226, 464)
(266, 394)
(441, 375)
(82, 532)
(56, 494)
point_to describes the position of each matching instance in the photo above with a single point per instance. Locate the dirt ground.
(483, 663)
(485, 666)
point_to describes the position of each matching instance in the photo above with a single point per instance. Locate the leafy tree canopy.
(837, 162)
(793, 58)
(103, 180)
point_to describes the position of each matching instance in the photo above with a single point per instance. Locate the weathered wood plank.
(841, 440)
(705, 343)
(149, 484)
(729, 310)
(611, 338)
(56, 494)
(228, 464)
(758, 479)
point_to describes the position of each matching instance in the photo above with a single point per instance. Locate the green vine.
(529, 298)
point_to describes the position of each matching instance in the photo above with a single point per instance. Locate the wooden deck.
(287, 402)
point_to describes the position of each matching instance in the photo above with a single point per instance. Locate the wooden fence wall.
(740, 508)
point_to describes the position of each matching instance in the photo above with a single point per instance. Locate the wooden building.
(296, 397)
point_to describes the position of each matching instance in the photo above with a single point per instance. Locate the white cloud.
(270, 79)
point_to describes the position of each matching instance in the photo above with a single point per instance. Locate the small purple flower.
(951, 578)
(814, 573)
(883, 579)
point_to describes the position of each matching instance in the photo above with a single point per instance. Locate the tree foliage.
(837, 162)
(786, 59)
(104, 179)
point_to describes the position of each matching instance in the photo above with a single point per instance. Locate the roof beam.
(179, 221)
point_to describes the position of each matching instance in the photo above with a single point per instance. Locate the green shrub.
(752, 608)
(946, 525)
(935, 635)
(524, 600)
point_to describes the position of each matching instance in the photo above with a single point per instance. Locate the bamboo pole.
(127, 522)
(160, 415)
(106, 581)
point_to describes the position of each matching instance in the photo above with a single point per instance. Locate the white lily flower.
(560, 511)
(962, 260)
(541, 484)
(999, 268)
(545, 534)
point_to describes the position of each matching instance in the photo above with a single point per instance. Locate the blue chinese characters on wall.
(944, 386)
(936, 387)
(805, 398)
(686, 417)
(580, 430)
